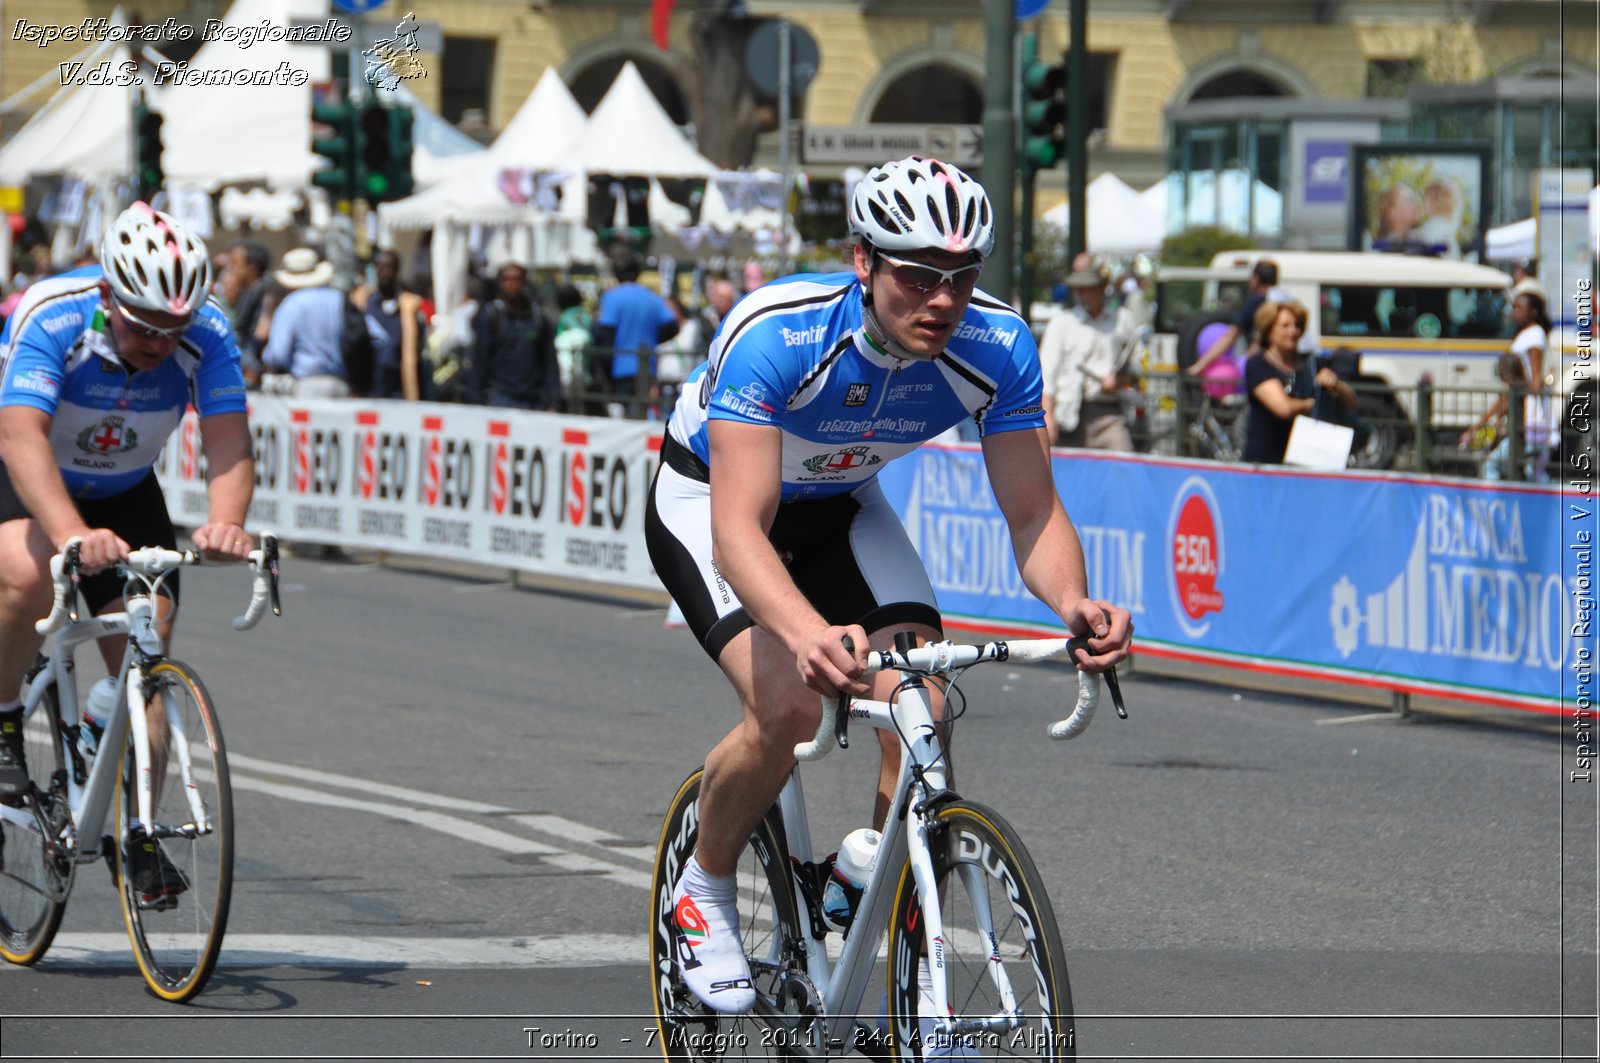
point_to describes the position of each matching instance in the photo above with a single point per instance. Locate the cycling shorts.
(848, 554)
(138, 516)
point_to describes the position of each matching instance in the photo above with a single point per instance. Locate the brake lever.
(841, 717)
(71, 565)
(269, 558)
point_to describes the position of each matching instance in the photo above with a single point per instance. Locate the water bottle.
(852, 867)
(101, 703)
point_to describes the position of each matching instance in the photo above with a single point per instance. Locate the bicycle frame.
(905, 832)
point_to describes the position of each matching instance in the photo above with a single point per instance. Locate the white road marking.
(274, 950)
(453, 826)
(562, 827)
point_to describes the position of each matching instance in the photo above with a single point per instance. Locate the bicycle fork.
(143, 762)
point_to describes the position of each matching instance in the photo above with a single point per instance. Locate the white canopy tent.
(630, 135)
(1121, 220)
(535, 139)
(1519, 239)
(222, 134)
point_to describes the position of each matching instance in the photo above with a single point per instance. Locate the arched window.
(590, 85)
(1234, 83)
(931, 95)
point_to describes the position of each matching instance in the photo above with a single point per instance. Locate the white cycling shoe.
(710, 953)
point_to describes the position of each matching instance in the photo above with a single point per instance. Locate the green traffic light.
(376, 185)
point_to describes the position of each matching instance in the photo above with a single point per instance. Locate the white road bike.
(953, 887)
(167, 780)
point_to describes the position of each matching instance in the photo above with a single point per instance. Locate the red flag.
(660, 16)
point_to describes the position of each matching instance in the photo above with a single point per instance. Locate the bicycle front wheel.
(1009, 994)
(175, 873)
(687, 1029)
(36, 867)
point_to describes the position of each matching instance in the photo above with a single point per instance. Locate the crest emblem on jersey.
(111, 436)
(843, 460)
(858, 395)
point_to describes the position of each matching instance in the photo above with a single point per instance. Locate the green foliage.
(1198, 244)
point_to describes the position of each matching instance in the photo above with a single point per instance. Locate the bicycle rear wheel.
(981, 865)
(36, 869)
(177, 927)
(688, 1030)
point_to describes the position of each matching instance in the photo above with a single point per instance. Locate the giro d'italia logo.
(1195, 532)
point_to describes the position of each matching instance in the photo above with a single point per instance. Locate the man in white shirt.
(1081, 359)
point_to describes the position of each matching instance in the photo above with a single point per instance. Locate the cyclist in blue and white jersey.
(767, 524)
(96, 369)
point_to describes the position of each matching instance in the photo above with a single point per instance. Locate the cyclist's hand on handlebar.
(98, 548)
(222, 541)
(1110, 632)
(827, 667)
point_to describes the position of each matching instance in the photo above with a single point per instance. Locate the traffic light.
(147, 172)
(1044, 114)
(338, 146)
(384, 172)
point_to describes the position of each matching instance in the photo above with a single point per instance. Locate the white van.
(1403, 315)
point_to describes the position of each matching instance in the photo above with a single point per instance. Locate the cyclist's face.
(140, 336)
(919, 316)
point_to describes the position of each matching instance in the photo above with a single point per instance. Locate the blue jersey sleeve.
(753, 379)
(36, 364)
(219, 380)
(1018, 401)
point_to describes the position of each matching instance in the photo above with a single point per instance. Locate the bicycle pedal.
(162, 903)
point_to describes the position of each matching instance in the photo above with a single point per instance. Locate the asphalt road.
(448, 791)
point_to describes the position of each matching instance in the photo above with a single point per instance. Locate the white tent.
(1519, 238)
(536, 139)
(82, 130)
(217, 134)
(1121, 221)
(630, 135)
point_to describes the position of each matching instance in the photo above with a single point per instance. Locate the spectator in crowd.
(248, 263)
(451, 341)
(1513, 372)
(1263, 278)
(574, 334)
(1279, 383)
(514, 355)
(1082, 360)
(1524, 365)
(307, 328)
(677, 356)
(720, 297)
(632, 321)
(1134, 299)
(393, 313)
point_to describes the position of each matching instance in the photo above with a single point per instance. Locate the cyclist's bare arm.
(1049, 556)
(225, 438)
(746, 482)
(31, 464)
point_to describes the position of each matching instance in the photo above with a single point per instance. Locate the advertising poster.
(1420, 199)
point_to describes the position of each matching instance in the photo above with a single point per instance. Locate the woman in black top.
(1279, 385)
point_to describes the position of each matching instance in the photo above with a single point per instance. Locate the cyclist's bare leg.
(748, 768)
(25, 597)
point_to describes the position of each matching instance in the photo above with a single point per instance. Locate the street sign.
(761, 57)
(1027, 9)
(868, 145)
(356, 6)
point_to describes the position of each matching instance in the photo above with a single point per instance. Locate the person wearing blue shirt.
(768, 526)
(307, 328)
(632, 320)
(96, 369)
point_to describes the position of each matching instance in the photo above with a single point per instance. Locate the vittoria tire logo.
(1195, 532)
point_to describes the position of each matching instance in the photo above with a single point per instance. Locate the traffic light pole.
(999, 143)
(1077, 129)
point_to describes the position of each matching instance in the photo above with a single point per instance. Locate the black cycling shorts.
(138, 515)
(849, 555)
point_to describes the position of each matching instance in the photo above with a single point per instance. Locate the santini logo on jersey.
(66, 321)
(798, 337)
(992, 334)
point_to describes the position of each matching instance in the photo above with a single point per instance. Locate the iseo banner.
(530, 491)
(1399, 582)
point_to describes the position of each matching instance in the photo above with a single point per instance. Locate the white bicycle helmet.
(916, 204)
(154, 263)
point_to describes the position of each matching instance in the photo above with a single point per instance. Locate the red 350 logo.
(1195, 532)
